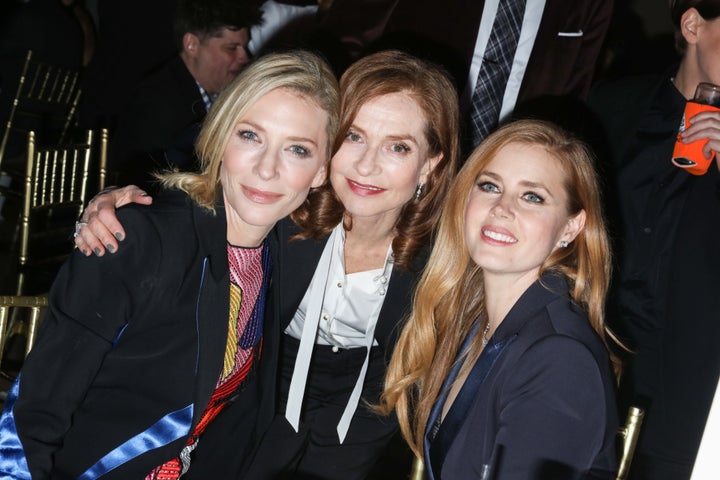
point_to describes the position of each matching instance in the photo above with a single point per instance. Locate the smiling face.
(275, 154)
(382, 159)
(517, 213)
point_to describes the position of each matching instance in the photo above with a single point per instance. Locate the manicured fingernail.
(119, 236)
(97, 251)
(110, 248)
(85, 252)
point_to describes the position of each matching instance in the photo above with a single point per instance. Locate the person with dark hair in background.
(158, 125)
(665, 300)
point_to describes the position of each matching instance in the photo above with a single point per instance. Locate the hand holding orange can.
(690, 156)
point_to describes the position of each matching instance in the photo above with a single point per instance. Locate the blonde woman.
(501, 371)
(142, 350)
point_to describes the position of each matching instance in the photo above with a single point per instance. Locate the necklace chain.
(485, 338)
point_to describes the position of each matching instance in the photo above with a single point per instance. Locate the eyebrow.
(399, 137)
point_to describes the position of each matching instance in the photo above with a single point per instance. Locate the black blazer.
(546, 409)
(158, 125)
(132, 340)
(560, 64)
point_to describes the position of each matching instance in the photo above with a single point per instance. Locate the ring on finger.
(78, 226)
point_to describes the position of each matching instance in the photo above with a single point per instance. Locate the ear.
(319, 178)
(575, 225)
(429, 166)
(690, 24)
(190, 43)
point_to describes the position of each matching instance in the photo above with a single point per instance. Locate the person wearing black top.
(665, 299)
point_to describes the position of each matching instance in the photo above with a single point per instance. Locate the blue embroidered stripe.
(168, 429)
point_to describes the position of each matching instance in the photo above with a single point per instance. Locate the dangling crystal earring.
(418, 191)
(563, 244)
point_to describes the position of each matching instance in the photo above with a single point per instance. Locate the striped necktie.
(495, 69)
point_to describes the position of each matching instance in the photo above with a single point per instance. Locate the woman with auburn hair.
(501, 370)
(141, 351)
(348, 261)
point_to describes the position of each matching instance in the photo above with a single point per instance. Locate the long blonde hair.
(298, 71)
(450, 295)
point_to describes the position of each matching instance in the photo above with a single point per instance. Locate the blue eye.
(488, 187)
(299, 151)
(533, 197)
(399, 148)
(248, 135)
(353, 137)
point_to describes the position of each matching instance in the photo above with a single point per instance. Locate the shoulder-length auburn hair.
(450, 295)
(298, 71)
(383, 73)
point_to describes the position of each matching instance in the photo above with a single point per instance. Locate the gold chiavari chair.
(19, 320)
(55, 188)
(418, 469)
(45, 101)
(629, 434)
(102, 159)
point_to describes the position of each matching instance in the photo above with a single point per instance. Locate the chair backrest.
(629, 434)
(13, 325)
(102, 159)
(45, 101)
(55, 188)
(418, 469)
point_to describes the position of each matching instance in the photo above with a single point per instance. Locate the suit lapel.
(212, 304)
(297, 261)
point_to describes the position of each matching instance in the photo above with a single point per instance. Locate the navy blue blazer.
(545, 410)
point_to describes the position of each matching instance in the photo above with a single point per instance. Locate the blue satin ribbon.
(171, 427)
(12, 455)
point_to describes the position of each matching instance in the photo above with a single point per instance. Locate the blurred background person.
(501, 53)
(158, 125)
(665, 298)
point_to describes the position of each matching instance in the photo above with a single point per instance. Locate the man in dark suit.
(665, 303)
(158, 126)
(556, 55)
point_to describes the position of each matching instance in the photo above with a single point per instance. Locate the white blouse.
(339, 310)
(351, 303)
